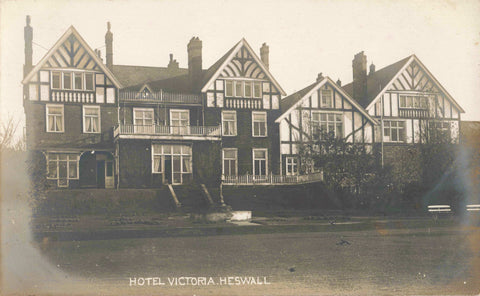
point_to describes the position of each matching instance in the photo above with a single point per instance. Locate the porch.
(272, 179)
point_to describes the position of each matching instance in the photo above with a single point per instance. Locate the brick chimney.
(359, 65)
(194, 49)
(264, 51)
(28, 36)
(372, 69)
(172, 64)
(109, 47)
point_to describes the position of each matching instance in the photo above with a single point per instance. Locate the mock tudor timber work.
(114, 126)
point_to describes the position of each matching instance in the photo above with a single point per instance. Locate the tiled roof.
(470, 133)
(135, 75)
(377, 81)
(179, 83)
(289, 101)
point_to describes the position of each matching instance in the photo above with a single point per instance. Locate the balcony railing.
(413, 113)
(160, 97)
(72, 96)
(166, 130)
(272, 179)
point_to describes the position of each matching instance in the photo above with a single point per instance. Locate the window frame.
(253, 123)
(321, 98)
(235, 82)
(47, 114)
(82, 81)
(99, 116)
(234, 112)
(57, 161)
(85, 81)
(259, 85)
(314, 122)
(60, 77)
(179, 111)
(291, 164)
(182, 155)
(229, 159)
(254, 159)
(419, 99)
(227, 83)
(397, 128)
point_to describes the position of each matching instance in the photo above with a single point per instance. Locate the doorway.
(101, 173)
(168, 169)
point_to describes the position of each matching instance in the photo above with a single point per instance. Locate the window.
(62, 167)
(67, 80)
(326, 98)
(73, 80)
(228, 88)
(260, 168)
(91, 119)
(143, 120)
(238, 88)
(54, 118)
(89, 81)
(257, 90)
(259, 124)
(415, 102)
(291, 166)
(394, 131)
(174, 161)
(229, 123)
(248, 89)
(441, 129)
(229, 162)
(78, 80)
(179, 121)
(327, 123)
(56, 80)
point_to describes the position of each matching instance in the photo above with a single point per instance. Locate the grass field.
(382, 261)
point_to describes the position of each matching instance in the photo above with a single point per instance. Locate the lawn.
(380, 261)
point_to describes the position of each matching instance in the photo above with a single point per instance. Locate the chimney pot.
(319, 77)
(372, 69)
(339, 82)
(264, 54)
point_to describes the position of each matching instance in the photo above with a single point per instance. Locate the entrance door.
(168, 169)
(101, 173)
(109, 181)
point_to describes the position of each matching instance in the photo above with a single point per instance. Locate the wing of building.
(107, 125)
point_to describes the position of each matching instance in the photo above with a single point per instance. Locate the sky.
(305, 37)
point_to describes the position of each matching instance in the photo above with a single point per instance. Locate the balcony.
(160, 97)
(166, 132)
(272, 179)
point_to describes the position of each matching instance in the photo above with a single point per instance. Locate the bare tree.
(8, 137)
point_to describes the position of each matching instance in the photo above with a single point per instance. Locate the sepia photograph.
(220, 147)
